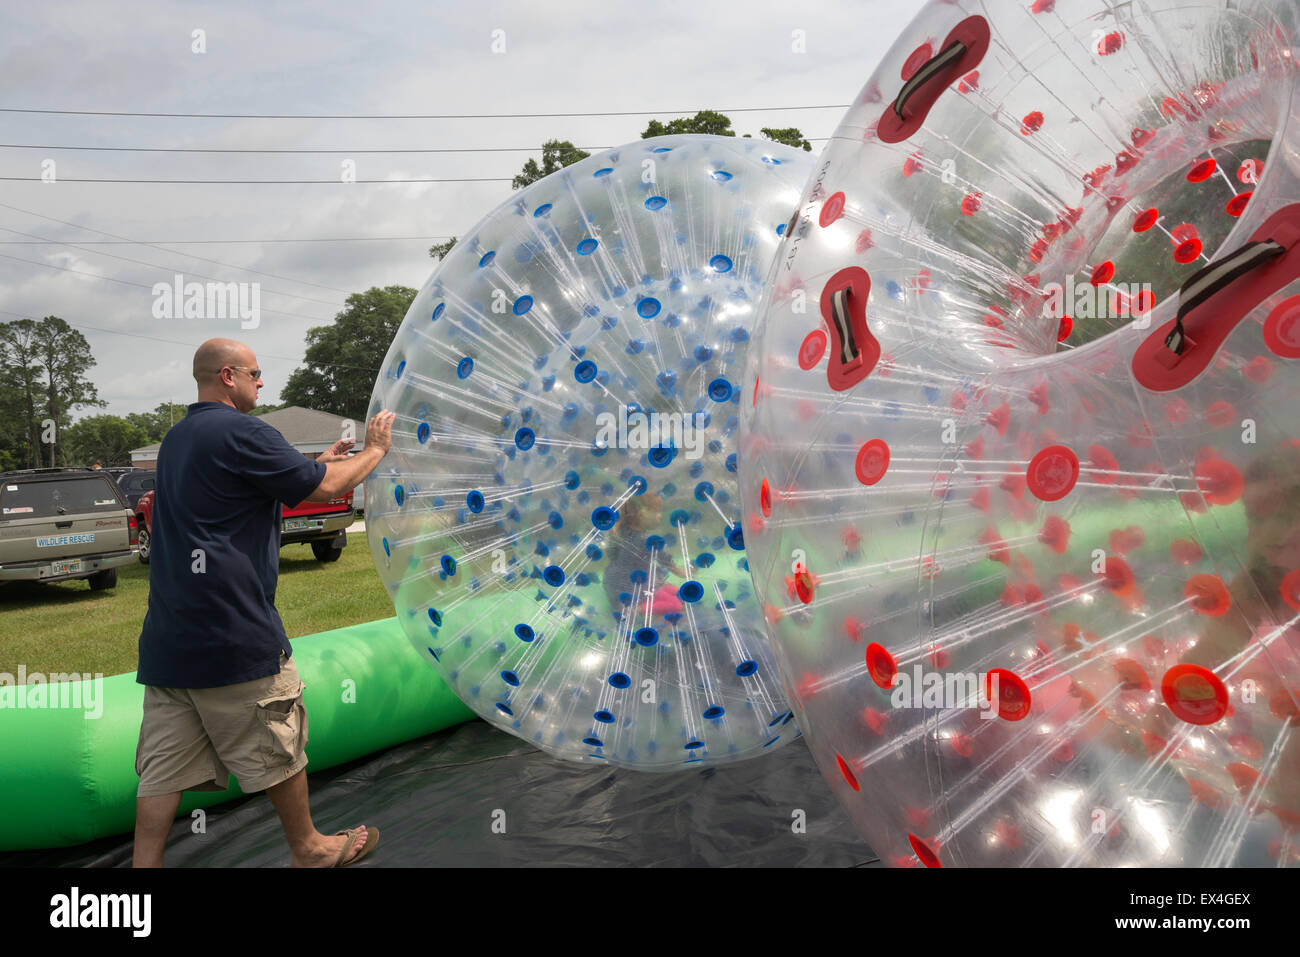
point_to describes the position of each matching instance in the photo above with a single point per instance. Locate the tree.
(20, 383)
(439, 250)
(705, 121)
(156, 423)
(790, 136)
(556, 154)
(263, 409)
(43, 365)
(65, 356)
(106, 439)
(343, 359)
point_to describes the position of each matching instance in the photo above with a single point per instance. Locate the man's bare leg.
(308, 847)
(153, 820)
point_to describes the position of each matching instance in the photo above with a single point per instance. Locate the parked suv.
(134, 483)
(64, 523)
(321, 524)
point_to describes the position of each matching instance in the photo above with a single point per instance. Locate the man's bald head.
(227, 372)
(215, 354)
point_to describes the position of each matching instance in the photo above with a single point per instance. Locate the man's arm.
(340, 476)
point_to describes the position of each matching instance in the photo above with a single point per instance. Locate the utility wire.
(415, 116)
(265, 182)
(311, 149)
(141, 262)
(216, 242)
(174, 252)
(178, 342)
(128, 282)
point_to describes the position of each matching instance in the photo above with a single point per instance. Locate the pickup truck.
(321, 524)
(58, 524)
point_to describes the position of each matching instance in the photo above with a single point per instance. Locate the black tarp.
(436, 801)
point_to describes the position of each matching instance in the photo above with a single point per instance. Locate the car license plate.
(293, 524)
(65, 568)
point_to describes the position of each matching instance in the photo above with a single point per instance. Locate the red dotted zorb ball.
(1020, 445)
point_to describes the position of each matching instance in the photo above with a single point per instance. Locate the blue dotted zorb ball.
(558, 521)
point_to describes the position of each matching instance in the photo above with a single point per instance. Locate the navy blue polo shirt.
(215, 549)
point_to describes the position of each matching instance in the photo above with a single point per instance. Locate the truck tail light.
(135, 530)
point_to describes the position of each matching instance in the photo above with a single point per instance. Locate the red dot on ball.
(1194, 694)
(881, 666)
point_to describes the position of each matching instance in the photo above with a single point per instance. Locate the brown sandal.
(372, 839)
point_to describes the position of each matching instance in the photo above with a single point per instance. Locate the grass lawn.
(66, 627)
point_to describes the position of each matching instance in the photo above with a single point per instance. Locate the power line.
(265, 182)
(128, 282)
(141, 262)
(178, 342)
(218, 242)
(184, 149)
(307, 150)
(415, 116)
(174, 252)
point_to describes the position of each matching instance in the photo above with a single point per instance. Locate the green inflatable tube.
(67, 774)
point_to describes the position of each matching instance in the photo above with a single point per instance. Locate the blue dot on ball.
(646, 637)
(487, 259)
(691, 591)
(746, 668)
(438, 311)
(619, 680)
(721, 175)
(422, 432)
(399, 495)
(464, 367)
(721, 263)
(586, 247)
(720, 390)
(714, 711)
(475, 501)
(661, 455)
(523, 632)
(603, 171)
(554, 575)
(524, 439)
(541, 210)
(585, 371)
(604, 717)
(648, 307)
(655, 202)
(523, 304)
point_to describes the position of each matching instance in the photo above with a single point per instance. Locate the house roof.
(308, 430)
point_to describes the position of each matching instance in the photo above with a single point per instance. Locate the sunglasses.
(253, 373)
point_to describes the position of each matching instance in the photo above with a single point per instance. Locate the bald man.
(222, 693)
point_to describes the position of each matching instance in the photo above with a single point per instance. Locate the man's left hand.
(337, 452)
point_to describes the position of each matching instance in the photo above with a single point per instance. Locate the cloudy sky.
(76, 249)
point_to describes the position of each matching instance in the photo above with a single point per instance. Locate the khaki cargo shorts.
(192, 739)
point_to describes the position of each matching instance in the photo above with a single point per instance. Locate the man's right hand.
(379, 431)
